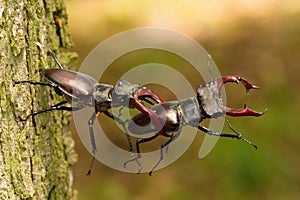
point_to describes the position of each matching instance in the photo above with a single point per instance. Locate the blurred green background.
(259, 40)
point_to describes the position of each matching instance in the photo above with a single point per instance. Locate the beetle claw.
(145, 92)
(247, 85)
(236, 79)
(246, 111)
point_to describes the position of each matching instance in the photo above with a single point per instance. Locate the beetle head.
(210, 100)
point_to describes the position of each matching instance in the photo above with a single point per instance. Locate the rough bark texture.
(36, 156)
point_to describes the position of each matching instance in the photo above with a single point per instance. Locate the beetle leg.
(138, 142)
(36, 83)
(145, 92)
(92, 137)
(166, 144)
(248, 86)
(236, 135)
(113, 117)
(55, 107)
(56, 88)
(239, 134)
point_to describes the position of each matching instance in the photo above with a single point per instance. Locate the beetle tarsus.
(52, 108)
(165, 145)
(240, 135)
(136, 159)
(91, 166)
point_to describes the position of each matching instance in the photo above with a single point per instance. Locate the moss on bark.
(36, 156)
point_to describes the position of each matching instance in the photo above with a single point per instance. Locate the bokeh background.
(257, 39)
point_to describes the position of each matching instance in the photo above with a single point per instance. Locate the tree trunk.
(36, 156)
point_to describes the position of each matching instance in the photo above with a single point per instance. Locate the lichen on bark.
(36, 156)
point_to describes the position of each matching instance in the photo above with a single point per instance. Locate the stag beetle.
(83, 90)
(191, 111)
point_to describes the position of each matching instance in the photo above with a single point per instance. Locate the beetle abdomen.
(74, 84)
(167, 114)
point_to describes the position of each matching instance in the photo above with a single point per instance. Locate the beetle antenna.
(55, 58)
(209, 60)
(239, 134)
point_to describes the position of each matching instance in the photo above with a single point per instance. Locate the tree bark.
(35, 156)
